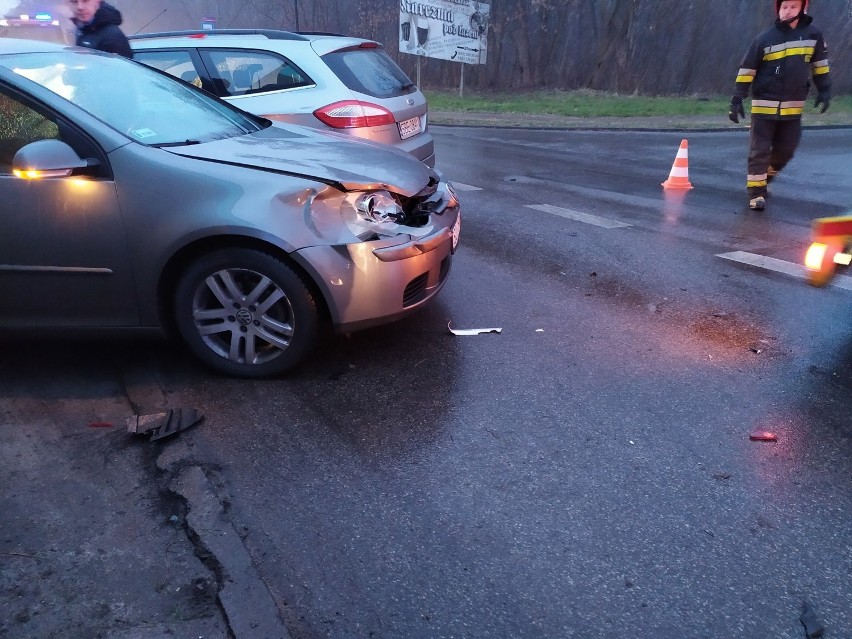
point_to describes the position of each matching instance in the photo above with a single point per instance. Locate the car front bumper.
(371, 283)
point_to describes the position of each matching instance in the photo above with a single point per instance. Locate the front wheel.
(245, 313)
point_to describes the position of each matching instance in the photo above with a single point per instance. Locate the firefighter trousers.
(772, 145)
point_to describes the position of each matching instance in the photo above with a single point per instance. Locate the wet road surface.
(588, 471)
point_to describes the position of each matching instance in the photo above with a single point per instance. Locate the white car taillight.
(353, 114)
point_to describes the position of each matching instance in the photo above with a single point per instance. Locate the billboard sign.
(454, 30)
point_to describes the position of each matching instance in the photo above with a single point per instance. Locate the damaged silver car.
(131, 200)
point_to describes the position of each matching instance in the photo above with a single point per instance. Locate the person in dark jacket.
(778, 69)
(97, 27)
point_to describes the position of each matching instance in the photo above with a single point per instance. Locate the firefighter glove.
(824, 99)
(737, 110)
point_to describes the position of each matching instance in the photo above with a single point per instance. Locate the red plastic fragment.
(833, 226)
(763, 436)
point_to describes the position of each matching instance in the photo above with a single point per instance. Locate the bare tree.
(629, 46)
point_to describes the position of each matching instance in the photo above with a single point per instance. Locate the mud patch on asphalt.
(727, 330)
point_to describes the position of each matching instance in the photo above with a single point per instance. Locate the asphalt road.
(586, 472)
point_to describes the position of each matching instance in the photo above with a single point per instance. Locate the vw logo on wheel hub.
(244, 317)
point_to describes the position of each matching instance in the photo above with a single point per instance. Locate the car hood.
(328, 157)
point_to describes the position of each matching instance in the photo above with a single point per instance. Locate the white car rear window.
(370, 71)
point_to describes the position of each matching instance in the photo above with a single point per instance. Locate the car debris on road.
(472, 331)
(161, 425)
(763, 436)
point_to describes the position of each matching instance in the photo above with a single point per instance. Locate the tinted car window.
(143, 104)
(176, 63)
(243, 72)
(20, 125)
(369, 71)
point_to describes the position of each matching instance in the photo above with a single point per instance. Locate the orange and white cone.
(679, 175)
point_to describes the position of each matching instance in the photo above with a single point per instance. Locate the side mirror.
(46, 159)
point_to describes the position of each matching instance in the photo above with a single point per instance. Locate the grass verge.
(554, 105)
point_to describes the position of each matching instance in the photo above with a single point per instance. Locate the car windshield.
(147, 106)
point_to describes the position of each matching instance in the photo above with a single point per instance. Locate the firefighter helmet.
(778, 6)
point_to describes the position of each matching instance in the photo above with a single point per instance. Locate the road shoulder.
(649, 123)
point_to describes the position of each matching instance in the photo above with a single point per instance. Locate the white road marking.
(578, 216)
(461, 186)
(652, 203)
(780, 266)
(752, 259)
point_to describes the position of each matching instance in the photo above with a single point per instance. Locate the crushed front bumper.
(375, 282)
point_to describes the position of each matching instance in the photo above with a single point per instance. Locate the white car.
(346, 84)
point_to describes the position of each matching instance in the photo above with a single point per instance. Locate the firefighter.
(778, 68)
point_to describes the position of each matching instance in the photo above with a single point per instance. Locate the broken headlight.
(377, 214)
(378, 206)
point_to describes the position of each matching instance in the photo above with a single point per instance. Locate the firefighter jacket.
(778, 68)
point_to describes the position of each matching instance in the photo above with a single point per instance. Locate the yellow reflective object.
(815, 256)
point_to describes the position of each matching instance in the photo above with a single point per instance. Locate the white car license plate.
(409, 128)
(456, 232)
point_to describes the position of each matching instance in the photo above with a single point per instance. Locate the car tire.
(245, 313)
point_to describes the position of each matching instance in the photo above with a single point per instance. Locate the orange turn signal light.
(32, 174)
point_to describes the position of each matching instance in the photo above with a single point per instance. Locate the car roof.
(19, 45)
(269, 34)
(321, 42)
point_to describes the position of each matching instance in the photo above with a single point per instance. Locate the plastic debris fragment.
(161, 425)
(763, 436)
(472, 331)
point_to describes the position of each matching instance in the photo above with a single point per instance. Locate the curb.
(250, 610)
(697, 124)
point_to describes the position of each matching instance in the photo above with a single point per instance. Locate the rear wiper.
(405, 87)
(184, 143)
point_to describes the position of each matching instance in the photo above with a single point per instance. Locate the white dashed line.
(752, 259)
(461, 186)
(578, 216)
(780, 266)
(622, 199)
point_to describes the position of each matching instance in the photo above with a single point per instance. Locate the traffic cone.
(679, 175)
